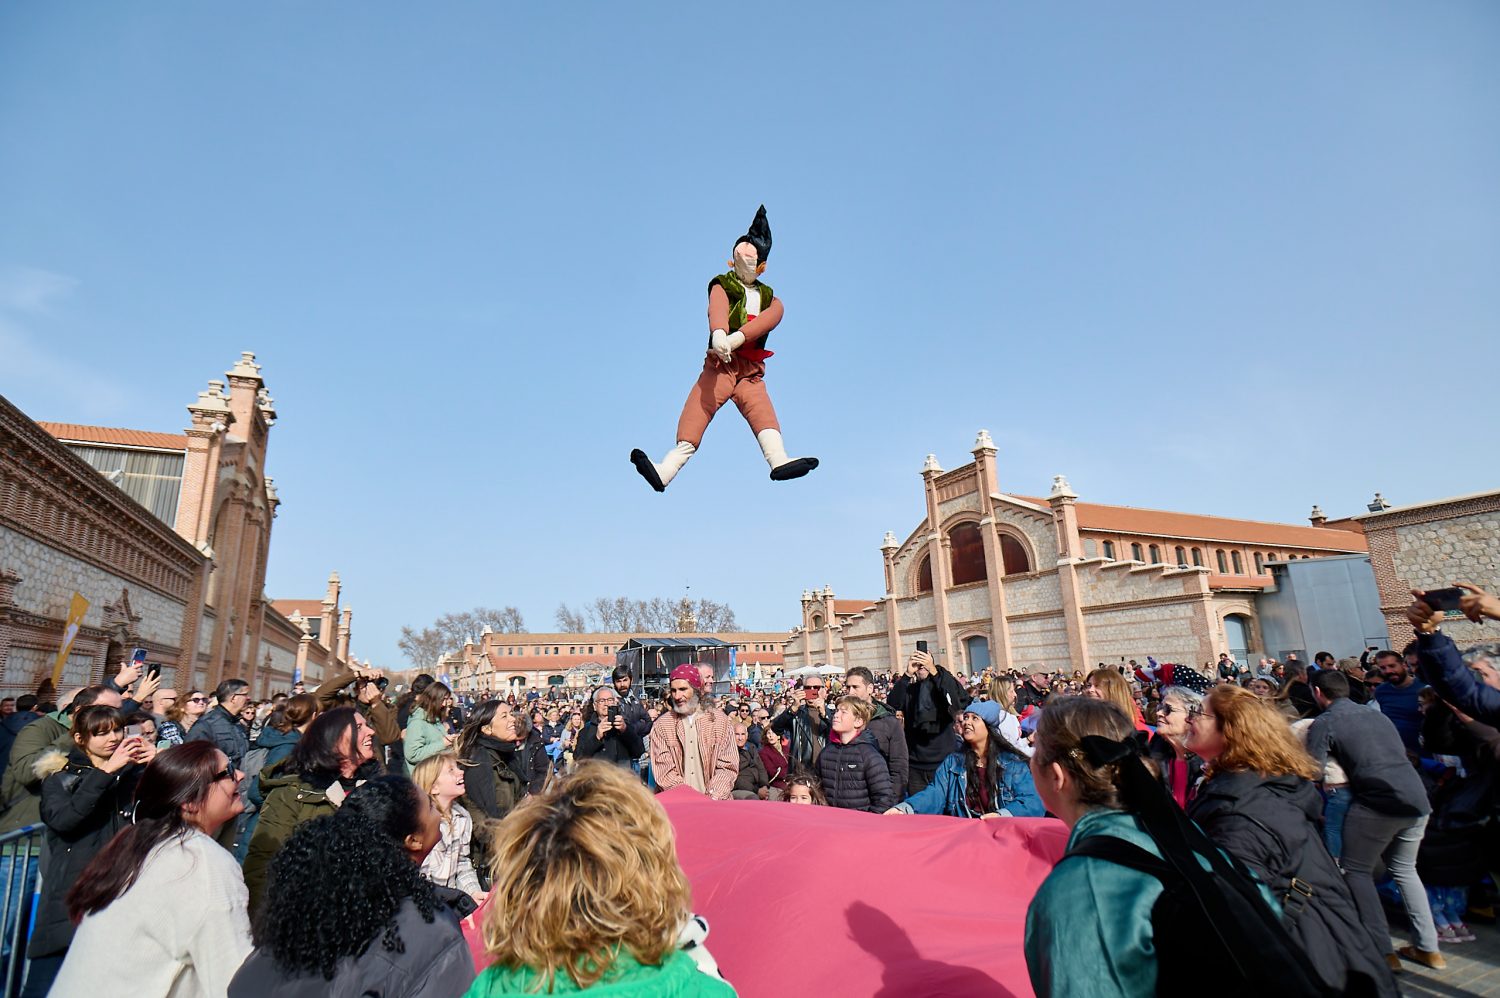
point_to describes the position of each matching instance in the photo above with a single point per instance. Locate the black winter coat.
(619, 747)
(753, 773)
(434, 962)
(929, 740)
(502, 773)
(1274, 826)
(890, 738)
(224, 730)
(83, 807)
(855, 775)
(808, 731)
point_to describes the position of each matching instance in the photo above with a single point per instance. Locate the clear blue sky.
(1233, 261)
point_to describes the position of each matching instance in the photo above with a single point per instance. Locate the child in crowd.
(853, 772)
(805, 788)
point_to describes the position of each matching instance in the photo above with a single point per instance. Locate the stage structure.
(651, 661)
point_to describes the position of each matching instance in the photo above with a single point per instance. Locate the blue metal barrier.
(20, 889)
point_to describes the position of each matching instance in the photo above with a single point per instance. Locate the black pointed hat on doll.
(759, 235)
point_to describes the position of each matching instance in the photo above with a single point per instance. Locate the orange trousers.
(716, 385)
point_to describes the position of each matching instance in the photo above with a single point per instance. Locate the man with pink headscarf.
(691, 745)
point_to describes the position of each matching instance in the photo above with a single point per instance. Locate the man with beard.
(691, 745)
(631, 708)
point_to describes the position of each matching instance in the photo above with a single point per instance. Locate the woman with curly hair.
(167, 852)
(348, 912)
(588, 896)
(1259, 804)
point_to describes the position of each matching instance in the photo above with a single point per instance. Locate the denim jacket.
(948, 793)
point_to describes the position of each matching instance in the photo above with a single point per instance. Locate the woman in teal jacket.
(426, 730)
(1089, 929)
(990, 778)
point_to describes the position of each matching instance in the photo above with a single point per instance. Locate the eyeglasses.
(229, 773)
(197, 699)
(813, 688)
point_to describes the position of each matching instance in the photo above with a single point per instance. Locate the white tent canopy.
(817, 670)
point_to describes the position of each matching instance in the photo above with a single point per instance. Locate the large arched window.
(1223, 562)
(1109, 550)
(1239, 564)
(817, 622)
(924, 575)
(1136, 554)
(1013, 555)
(1260, 563)
(1198, 557)
(1181, 555)
(968, 553)
(1155, 555)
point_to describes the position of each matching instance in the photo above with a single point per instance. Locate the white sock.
(670, 465)
(772, 447)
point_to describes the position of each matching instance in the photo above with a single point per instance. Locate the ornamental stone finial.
(1061, 489)
(931, 465)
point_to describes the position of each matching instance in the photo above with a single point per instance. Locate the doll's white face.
(746, 263)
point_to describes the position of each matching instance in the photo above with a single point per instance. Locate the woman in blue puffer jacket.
(989, 778)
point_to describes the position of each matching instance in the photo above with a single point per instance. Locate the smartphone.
(921, 646)
(134, 730)
(1443, 599)
(614, 712)
(153, 670)
(138, 656)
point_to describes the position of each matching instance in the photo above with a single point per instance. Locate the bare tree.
(570, 621)
(452, 631)
(617, 614)
(422, 648)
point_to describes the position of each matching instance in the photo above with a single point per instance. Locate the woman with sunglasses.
(1180, 769)
(181, 717)
(1259, 805)
(167, 852)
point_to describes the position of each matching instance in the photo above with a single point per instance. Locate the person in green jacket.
(588, 896)
(334, 755)
(427, 727)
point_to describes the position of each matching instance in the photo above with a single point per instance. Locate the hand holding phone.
(1445, 600)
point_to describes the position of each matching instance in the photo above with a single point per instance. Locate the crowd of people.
(335, 841)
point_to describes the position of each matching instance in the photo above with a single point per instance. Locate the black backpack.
(1214, 928)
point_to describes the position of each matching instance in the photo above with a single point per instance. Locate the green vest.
(736, 292)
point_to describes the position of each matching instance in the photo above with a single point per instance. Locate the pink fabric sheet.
(821, 901)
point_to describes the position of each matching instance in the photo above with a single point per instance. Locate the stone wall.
(1039, 643)
(1103, 583)
(1433, 546)
(1164, 631)
(1032, 594)
(49, 577)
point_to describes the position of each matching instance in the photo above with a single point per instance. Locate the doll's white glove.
(718, 344)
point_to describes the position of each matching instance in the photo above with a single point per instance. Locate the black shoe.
(792, 469)
(648, 470)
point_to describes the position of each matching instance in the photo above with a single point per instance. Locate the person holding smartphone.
(1441, 663)
(930, 700)
(86, 798)
(606, 733)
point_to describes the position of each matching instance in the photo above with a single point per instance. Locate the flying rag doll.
(741, 313)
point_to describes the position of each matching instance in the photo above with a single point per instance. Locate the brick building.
(167, 537)
(1016, 581)
(518, 662)
(1431, 545)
